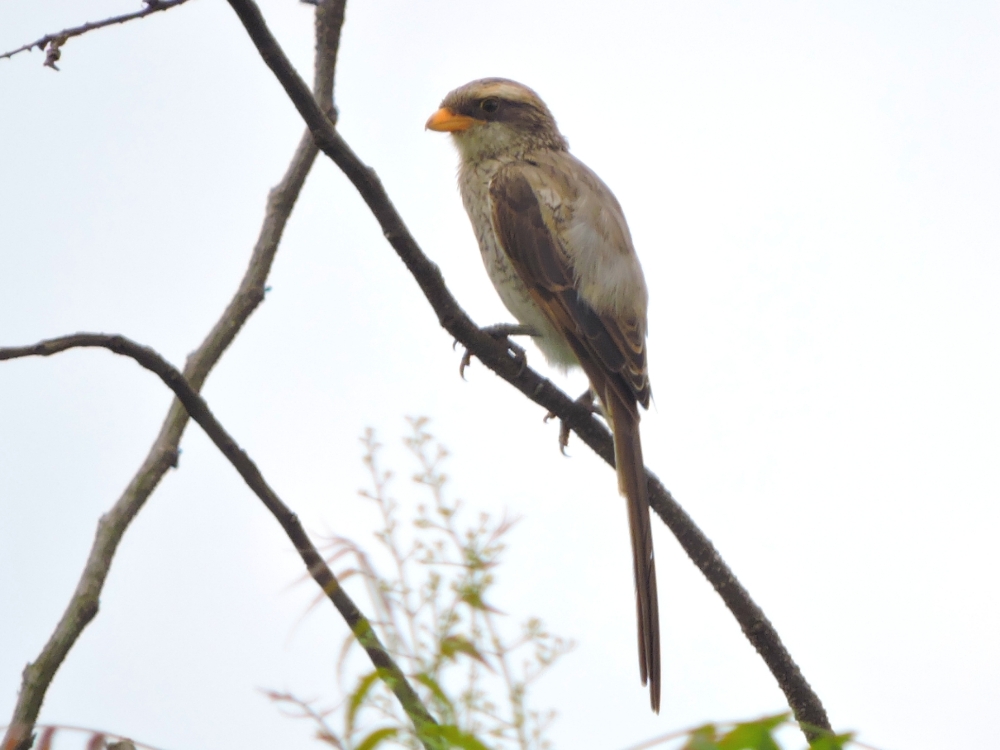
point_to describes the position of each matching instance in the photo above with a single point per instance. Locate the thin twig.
(54, 728)
(84, 603)
(496, 355)
(386, 666)
(306, 711)
(55, 41)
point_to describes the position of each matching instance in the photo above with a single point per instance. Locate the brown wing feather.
(619, 343)
(612, 354)
(629, 335)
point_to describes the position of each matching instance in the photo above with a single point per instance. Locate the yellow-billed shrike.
(558, 250)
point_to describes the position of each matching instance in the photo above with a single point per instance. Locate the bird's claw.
(586, 399)
(503, 331)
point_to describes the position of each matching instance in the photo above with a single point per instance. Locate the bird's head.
(494, 117)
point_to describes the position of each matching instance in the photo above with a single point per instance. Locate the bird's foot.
(588, 400)
(503, 331)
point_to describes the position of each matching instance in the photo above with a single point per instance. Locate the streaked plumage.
(557, 248)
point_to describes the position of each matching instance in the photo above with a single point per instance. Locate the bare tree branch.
(55, 41)
(496, 355)
(195, 405)
(83, 605)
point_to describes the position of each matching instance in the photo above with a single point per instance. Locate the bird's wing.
(566, 237)
(551, 219)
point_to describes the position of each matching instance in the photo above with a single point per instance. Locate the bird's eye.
(490, 105)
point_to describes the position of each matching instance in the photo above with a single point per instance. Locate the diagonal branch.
(83, 605)
(55, 41)
(195, 405)
(805, 704)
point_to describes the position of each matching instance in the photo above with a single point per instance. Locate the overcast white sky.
(814, 192)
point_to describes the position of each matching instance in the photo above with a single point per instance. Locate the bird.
(557, 248)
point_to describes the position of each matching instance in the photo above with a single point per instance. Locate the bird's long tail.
(632, 484)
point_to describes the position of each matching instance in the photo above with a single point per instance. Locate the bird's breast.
(474, 183)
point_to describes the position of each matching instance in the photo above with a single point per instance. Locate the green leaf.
(459, 644)
(379, 735)
(702, 738)
(439, 695)
(831, 741)
(454, 736)
(357, 698)
(753, 735)
(472, 595)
